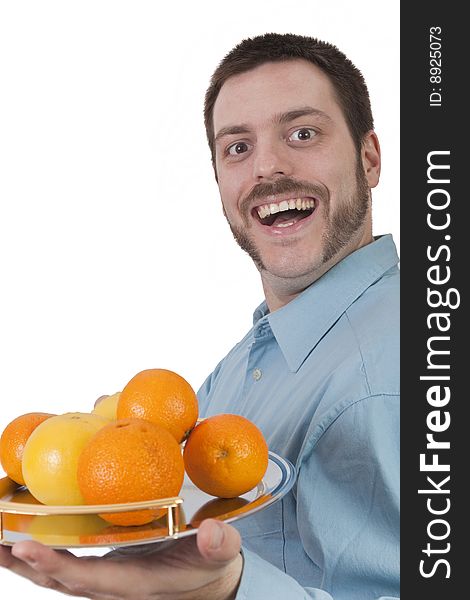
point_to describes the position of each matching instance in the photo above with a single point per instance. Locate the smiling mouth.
(284, 213)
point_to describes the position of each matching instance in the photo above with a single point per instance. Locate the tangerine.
(130, 460)
(163, 397)
(226, 455)
(13, 440)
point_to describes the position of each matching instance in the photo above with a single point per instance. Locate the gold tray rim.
(172, 506)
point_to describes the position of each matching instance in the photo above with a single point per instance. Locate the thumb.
(218, 542)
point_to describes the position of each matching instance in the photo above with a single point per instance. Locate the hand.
(207, 566)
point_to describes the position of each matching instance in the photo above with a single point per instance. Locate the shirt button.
(257, 374)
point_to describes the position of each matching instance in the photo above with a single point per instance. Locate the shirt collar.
(299, 325)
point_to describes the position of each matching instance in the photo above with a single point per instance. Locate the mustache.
(286, 185)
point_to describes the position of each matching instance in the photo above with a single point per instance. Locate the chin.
(292, 262)
(292, 270)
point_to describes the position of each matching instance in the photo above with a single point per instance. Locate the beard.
(341, 226)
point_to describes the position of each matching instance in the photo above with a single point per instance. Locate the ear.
(370, 155)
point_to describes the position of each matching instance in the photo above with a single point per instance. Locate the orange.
(51, 454)
(130, 460)
(13, 440)
(226, 455)
(163, 397)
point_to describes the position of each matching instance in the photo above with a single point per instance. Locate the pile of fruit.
(130, 449)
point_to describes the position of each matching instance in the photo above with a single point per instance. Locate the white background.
(114, 254)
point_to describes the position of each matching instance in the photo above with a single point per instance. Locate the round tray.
(23, 518)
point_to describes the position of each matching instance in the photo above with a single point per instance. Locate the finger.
(19, 567)
(218, 542)
(87, 576)
(5, 554)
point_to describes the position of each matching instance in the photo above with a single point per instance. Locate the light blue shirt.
(320, 377)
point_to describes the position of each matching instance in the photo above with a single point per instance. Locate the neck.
(279, 291)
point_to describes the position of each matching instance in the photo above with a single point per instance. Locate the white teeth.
(270, 209)
(263, 211)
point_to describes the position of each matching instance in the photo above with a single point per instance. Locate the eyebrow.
(232, 130)
(280, 118)
(306, 111)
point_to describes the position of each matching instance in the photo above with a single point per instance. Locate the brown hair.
(347, 80)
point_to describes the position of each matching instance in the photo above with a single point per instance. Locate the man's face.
(293, 187)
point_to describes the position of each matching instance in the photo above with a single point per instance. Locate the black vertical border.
(428, 127)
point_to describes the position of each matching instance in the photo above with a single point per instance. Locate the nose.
(271, 161)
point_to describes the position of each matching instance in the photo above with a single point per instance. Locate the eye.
(302, 135)
(237, 148)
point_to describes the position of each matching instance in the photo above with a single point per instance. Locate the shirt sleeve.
(347, 509)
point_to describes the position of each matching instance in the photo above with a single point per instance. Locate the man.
(290, 129)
